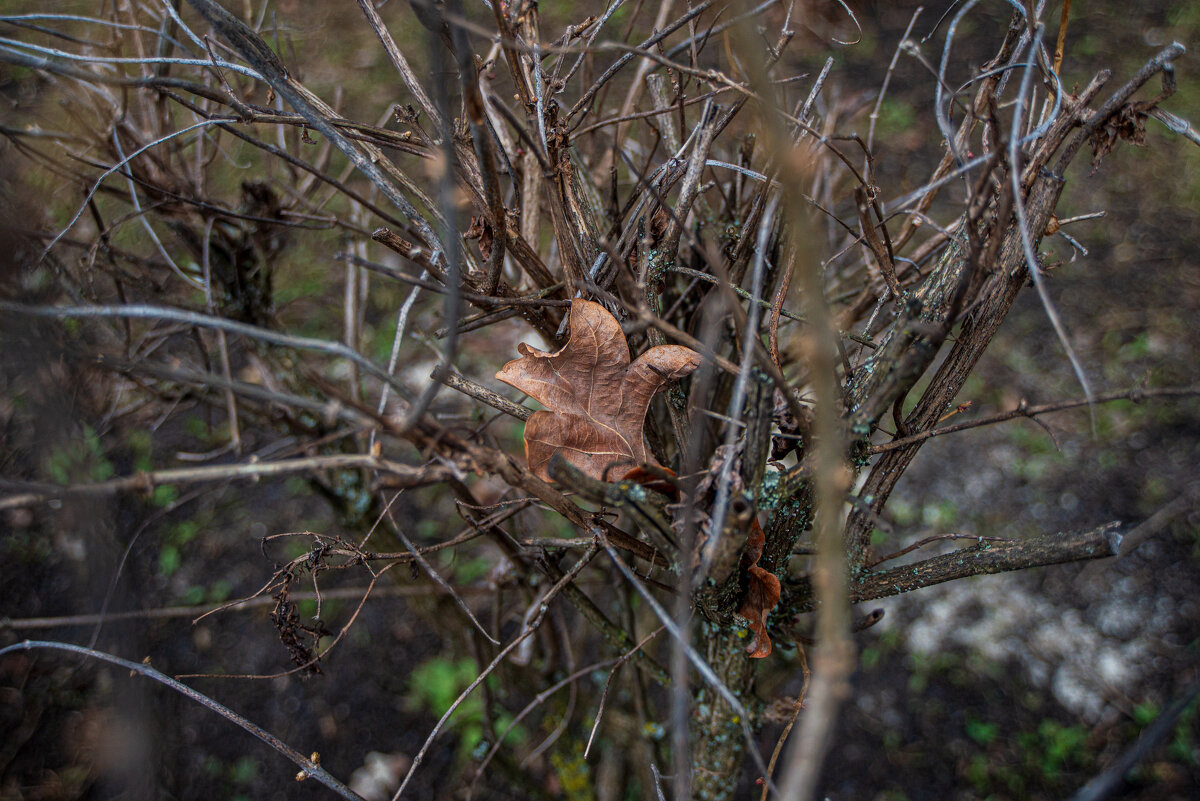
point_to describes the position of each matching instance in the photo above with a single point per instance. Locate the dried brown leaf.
(762, 595)
(481, 229)
(1129, 123)
(595, 398)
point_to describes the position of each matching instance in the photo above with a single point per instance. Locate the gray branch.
(983, 558)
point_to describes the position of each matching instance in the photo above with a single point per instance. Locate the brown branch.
(883, 258)
(921, 543)
(989, 558)
(1061, 44)
(400, 63)
(455, 380)
(995, 299)
(986, 558)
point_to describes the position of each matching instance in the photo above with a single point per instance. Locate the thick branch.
(987, 557)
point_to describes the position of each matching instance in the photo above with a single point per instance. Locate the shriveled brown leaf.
(595, 398)
(481, 229)
(790, 427)
(661, 480)
(762, 595)
(1129, 123)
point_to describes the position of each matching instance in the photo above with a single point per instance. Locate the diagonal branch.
(985, 558)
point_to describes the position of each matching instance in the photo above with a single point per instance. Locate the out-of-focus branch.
(1109, 782)
(309, 767)
(134, 311)
(171, 612)
(393, 474)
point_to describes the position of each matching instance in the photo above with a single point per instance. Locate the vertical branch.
(482, 139)
(453, 254)
(398, 60)
(637, 84)
(1061, 44)
(1027, 237)
(352, 313)
(833, 658)
(750, 337)
(235, 435)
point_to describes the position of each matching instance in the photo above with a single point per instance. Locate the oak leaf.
(762, 594)
(595, 397)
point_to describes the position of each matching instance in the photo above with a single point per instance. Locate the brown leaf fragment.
(660, 479)
(1129, 123)
(761, 598)
(659, 223)
(595, 397)
(756, 540)
(481, 229)
(790, 428)
(762, 594)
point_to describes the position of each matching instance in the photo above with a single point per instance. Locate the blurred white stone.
(380, 775)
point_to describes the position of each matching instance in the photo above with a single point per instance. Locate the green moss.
(574, 773)
(437, 683)
(768, 492)
(169, 559)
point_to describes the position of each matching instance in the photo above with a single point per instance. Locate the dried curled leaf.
(761, 596)
(595, 398)
(1129, 123)
(481, 229)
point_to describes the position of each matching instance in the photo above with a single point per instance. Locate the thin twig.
(1025, 410)
(796, 708)
(193, 612)
(1061, 44)
(136, 311)
(400, 475)
(527, 630)
(703, 668)
(432, 572)
(455, 380)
